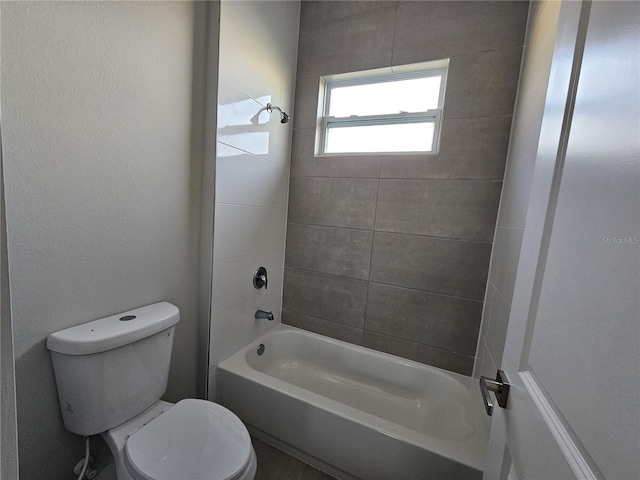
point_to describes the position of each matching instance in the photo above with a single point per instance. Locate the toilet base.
(251, 469)
(116, 438)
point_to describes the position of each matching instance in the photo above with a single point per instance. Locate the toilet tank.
(110, 370)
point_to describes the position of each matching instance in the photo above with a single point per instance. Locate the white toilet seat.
(195, 440)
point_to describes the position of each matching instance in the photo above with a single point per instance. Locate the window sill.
(375, 154)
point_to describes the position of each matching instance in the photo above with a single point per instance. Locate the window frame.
(406, 72)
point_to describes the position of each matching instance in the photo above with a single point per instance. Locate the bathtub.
(353, 412)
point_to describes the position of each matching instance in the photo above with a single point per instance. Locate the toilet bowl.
(193, 439)
(110, 374)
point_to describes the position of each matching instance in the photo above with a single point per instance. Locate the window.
(397, 109)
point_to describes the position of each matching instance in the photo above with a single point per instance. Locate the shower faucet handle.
(260, 278)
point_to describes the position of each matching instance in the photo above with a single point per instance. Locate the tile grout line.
(320, 318)
(417, 179)
(450, 117)
(386, 232)
(368, 282)
(382, 334)
(395, 30)
(375, 215)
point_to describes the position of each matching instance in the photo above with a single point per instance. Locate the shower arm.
(284, 118)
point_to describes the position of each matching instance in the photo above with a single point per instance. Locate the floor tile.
(274, 464)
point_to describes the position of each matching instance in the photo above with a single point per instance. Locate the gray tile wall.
(392, 251)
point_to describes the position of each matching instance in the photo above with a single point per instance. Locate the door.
(572, 349)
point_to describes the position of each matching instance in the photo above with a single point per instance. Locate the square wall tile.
(519, 172)
(470, 148)
(497, 329)
(494, 263)
(505, 278)
(437, 29)
(486, 309)
(305, 164)
(484, 367)
(439, 321)
(337, 299)
(475, 148)
(245, 230)
(336, 330)
(482, 84)
(348, 44)
(317, 14)
(488, 368)
(233, 281)
(437, 357)
(306, 108)
(336, 202)
(254, 58)
(276, 281)
(245, 179)
(452, 267)
(439, 208)
(244, 123)
(232, 328)
(337, 251)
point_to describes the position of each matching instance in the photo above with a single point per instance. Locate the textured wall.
(101, 193)
(8, 421)
(392, 251)
(8, 432)
(258, 48)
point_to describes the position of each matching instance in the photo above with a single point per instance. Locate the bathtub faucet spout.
(262, 314)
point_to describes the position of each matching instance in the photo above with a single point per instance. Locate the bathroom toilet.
(191, 439)
(110, 375)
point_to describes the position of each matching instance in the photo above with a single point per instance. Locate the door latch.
(499, 386)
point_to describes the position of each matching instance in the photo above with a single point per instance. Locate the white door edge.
(579, 463)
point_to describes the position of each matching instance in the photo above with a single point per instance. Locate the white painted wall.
(258, 49)
(102, 193)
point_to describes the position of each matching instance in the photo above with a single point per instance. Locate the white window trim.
(406, 72)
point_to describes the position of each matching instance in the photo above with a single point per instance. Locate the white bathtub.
(355, 412)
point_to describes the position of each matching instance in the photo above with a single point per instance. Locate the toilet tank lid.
(114, 331)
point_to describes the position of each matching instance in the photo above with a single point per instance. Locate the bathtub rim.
(237, 364)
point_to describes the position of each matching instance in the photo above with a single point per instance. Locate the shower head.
(284, 118)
